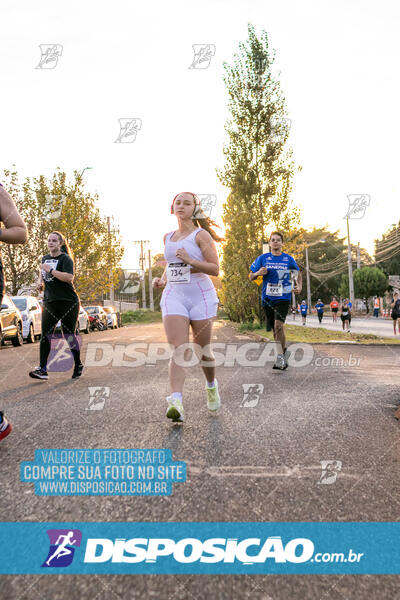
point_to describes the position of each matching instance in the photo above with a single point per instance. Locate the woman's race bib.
(178, 273)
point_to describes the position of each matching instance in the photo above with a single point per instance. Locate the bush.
(249, 325)
(140, 316)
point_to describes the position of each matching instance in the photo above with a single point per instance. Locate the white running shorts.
(196, 300)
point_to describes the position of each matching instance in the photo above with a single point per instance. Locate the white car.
(83, 322)
(31, 312)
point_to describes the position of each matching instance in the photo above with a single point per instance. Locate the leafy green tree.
(368, 282)
(54, 204)
(387, 251)
(258, 169)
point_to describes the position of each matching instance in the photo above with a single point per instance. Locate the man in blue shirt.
(303, 310)
(320, 309)
(277, 270)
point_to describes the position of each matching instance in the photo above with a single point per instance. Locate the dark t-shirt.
(346, 311)
(395, 309)
(55, 289)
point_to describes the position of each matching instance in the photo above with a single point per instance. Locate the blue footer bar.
(197, 548)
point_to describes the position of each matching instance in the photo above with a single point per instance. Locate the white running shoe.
(286, 356)
(213, 397)
(280, 362)
(175, 410)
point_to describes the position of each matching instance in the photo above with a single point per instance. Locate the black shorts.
(395, 316)
(276, 311)
(334, 310)
(345, 318)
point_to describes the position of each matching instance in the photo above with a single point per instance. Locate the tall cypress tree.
(258, 169)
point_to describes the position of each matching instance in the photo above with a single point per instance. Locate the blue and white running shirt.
(277, 284)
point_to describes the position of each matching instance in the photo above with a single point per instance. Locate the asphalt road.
(258, 459)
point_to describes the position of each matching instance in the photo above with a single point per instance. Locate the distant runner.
(320, 309)
(275, 268)
(376, 307)
(303, 311)
(334, 309)
(395, 314)
(346, 315)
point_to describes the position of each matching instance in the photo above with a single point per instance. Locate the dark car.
(10, 323)
(97, 317)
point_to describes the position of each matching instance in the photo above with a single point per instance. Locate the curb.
(261, 338)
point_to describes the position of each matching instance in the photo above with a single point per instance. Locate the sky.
(130, 60)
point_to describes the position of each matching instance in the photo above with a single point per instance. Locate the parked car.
(31, 313)
(10, 322)
(112, 317)
(83, 322)
(97, 316)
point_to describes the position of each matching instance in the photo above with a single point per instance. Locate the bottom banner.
(209, 548)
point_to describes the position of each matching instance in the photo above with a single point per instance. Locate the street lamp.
(85, 169)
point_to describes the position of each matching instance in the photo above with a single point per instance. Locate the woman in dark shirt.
(396, 312)
(346, 316)
(60, 302)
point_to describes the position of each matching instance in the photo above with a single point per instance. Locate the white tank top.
(189, 243)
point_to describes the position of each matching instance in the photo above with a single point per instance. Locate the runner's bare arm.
(15, 231)
(61, 275)
(68, 277)
(299, 285)
(262, 271)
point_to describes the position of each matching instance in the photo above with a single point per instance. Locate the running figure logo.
(53, 207)
(207, 201)
(280, 128)
(50, 55)
(357, 205)
(62, 547)
(97, 397)
(60, 357)
(203, 54)
(251, 394)
(330, 470)
(128, 130)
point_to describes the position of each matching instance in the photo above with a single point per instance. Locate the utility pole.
(142, 262)
(151, 284)
(351, 283)
(110, 231)
(111, 271)
(308, 283)
(358, 256)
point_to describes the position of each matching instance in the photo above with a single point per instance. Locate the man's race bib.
(178, 273)
(274, 289)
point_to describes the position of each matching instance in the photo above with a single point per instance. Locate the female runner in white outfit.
(189, 297)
